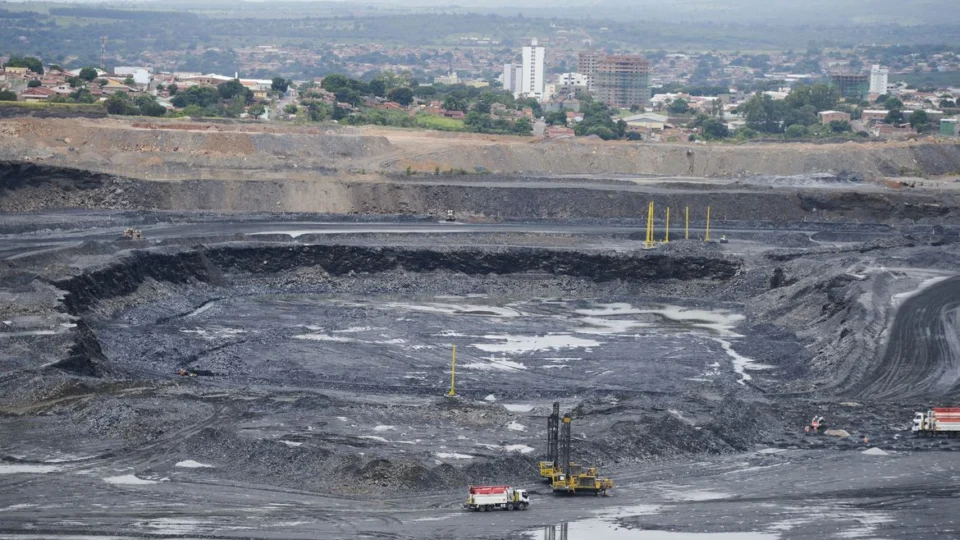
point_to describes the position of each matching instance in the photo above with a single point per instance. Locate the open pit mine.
(224, 331)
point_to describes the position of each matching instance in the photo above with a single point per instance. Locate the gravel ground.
(321, 361)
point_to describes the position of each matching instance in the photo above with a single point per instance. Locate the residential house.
(113, 86)
(833, 116)
(40, 93)
(873, 115)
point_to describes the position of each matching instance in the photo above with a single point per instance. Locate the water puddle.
(590, 529)
(27, 469)
(191, 464)
(128, 480)
(741, 364)
(492, 364)
(514, 344)
(518, 407)
(720, 322)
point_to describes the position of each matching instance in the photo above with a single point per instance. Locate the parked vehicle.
(937, 420)
(486, 498)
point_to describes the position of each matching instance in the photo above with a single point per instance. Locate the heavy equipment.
(486, 498)
(132, 234)
(945, 420)
(553, 431)
(570, 478)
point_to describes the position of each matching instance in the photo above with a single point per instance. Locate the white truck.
(487, 498)
(937, 420)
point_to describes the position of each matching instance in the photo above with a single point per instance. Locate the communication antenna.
(103, 50)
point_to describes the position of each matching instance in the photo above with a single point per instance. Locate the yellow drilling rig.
(564, 476)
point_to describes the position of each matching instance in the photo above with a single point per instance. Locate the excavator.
(564, 476)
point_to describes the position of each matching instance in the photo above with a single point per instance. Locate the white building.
(140, 75)
(572, 79)
(878, 80)
(531, 82)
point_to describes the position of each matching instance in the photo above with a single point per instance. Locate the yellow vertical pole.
(666, 237)
(453, 374)
(650, 240)
(687, 227)
(706, 238)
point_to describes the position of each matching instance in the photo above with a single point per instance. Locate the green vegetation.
(598, 120)
(765, 115)
(120, 103)
(7, 95)
(487, 110)
(32, 63)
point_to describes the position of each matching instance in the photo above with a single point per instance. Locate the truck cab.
(919, 422)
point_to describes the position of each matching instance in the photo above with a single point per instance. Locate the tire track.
(922, 357)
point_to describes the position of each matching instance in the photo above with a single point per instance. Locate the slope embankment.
(180, 150)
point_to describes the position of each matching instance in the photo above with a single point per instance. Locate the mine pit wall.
(586, 157)
(29, 187)
(123, 278)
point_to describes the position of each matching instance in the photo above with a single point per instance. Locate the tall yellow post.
(706, 238)
(666, 237)
(649, 242)
(453, 374)
(687, 227)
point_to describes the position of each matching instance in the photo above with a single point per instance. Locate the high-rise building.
(622, 81)
(587, 62)
(878, 80)
(531, 79)
(851, 86)
(511, 78)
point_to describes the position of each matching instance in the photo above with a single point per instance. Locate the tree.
(335, 82)
(712, 128)
(762, 113)
(378, 88)
(796, 131)
(678, 106)
(257, 110)
(453, 103)
(7, 95)
(75, 82)
(129, 81)
(290, 109)
(88, 74)
(279, 84)
(558, 118)
(33, 83)
(202, 96)
(172, 89)
(231, 89)
(881, 99)
(523, 126)
(840, 126)
(119, 103)
(149, 107)
(482, 107)
(29, 62)
(818, 96)
(401, 95)
(892, 103)
(920, 121)
(478, 122)
(895, 116)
